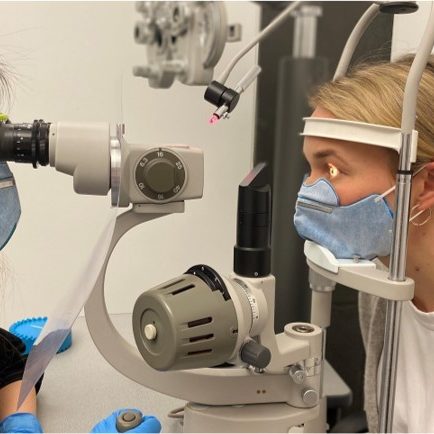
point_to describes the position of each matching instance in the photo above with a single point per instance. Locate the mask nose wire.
(387, 192)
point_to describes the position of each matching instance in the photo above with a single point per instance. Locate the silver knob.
(143, 71)
(143, 33)
(310, 397)
(296, 372)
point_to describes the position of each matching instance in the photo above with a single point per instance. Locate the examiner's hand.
(149, 424)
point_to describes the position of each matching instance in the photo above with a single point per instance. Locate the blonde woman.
(354, 172)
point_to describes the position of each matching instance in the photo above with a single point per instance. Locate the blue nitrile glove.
(20, 423)
(149, 424)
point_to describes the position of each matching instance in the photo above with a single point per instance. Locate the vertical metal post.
(321, 306)
(389, 367)
(397, 268)
(398, 254)
(320, 315)
(305, 25)
(296, 76)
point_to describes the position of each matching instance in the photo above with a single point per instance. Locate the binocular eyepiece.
(97, 158)
(25, 142)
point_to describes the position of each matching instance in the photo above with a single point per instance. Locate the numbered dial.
(160, 175)
(254, 306)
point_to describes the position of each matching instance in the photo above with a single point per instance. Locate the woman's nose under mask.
(360, 230)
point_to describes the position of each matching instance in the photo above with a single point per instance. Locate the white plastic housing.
(359, 132)
(83, 151)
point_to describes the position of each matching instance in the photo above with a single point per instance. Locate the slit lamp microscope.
(206, 338)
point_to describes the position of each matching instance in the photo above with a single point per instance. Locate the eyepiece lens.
(25, 142)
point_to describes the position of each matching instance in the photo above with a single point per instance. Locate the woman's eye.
(333, 170)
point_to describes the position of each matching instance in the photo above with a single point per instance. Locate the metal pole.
(398, 256)
(296, 76)
(353, 40)
(305, 26)
(397, 268)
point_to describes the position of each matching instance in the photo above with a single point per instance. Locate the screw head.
(303, 328)
(150, 332)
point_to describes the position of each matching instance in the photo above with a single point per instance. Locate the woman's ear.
(425, 199)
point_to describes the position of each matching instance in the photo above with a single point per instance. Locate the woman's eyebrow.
(327, 153)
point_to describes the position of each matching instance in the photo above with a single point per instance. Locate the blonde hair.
(374, 92)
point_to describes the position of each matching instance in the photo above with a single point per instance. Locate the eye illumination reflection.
(333, 170)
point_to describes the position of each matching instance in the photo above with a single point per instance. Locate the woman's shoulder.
(368, 302)
(372, 309)
(372, 313)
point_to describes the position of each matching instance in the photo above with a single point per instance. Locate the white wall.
(72, 61)
(408, 29)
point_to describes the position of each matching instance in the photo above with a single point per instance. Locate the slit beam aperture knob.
(150, 332)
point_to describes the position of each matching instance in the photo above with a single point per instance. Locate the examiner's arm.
(22, 420)
(9, 399)
(12, 364)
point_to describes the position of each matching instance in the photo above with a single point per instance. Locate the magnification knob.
(128, 420)
(255, 354)
(160, 174)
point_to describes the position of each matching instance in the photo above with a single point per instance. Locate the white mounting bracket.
(363, 276)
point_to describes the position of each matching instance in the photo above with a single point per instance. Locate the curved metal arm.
(263, 34)
(353, 40)
(228, 386)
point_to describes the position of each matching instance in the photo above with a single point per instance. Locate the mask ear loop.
(411, 220)
(387, 192)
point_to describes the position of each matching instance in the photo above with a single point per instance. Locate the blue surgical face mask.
(362, 230)
(10, 209)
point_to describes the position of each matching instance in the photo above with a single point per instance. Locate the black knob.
(255, 354)
(398, 7)
(160, 175)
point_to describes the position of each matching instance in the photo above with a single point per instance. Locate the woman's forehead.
(313, 146)
(352, 151)
(316, 148)
(318, 145)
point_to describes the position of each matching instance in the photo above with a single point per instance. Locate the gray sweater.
(372, 315)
